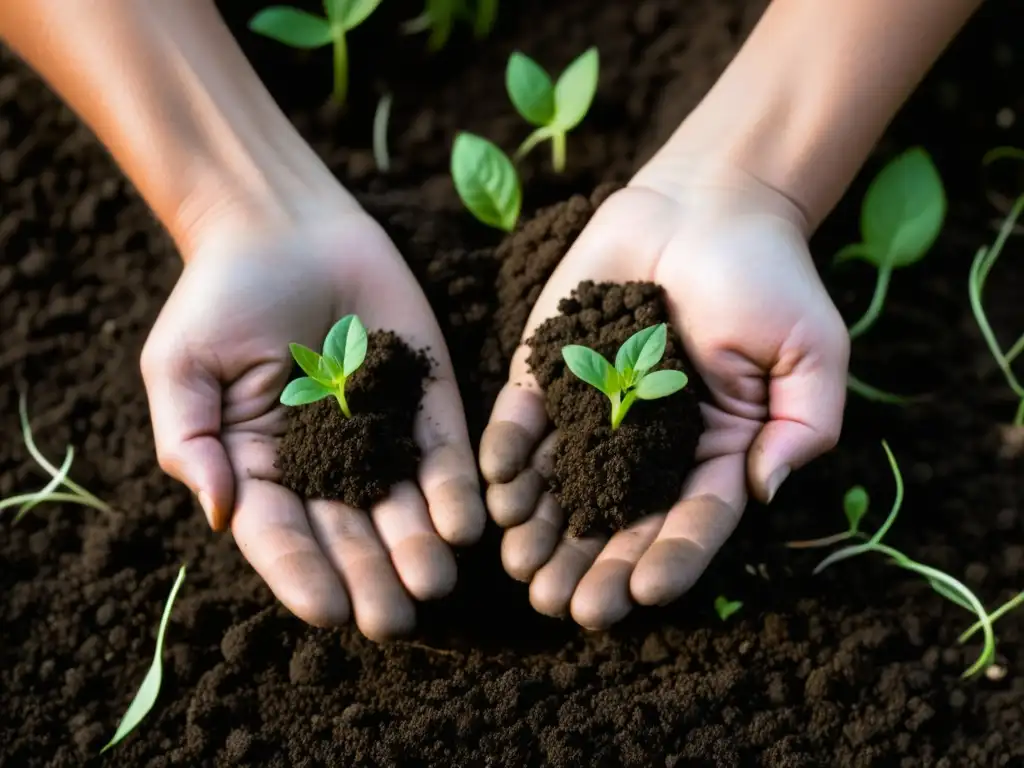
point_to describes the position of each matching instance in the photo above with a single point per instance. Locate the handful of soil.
(605, 479)
(324, 455)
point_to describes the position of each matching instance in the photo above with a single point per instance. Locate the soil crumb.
(606, 479)
(324, 455)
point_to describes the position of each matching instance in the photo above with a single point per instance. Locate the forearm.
(165, 87)
(812, 90)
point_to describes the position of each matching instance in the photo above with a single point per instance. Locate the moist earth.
(325, 455)
(855, 667)
(605, 479)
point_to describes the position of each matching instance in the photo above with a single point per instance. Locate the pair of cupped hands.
(743, 293)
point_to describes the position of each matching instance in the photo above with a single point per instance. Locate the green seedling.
(726, 608)
(631, 377)
(553, 108)
(982, 265)
(299, 29)
(1002, 153)
(381, 156)
(901, 217)
(326, 374)
(487, 181)
(74, 494)
(855, 507)
(439, 16)
(147, 694)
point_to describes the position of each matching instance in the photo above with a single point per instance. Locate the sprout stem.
(558, 151)
(877, 302)
(998, 613)
(532, 141)
(824, 541)
(486, 13)
(339, 395)
(869, 392)
(380, 133)
(340, 66)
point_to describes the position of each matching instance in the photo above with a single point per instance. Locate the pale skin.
(275, 250)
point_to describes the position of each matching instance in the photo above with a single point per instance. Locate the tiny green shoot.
(75, 494)
(631, 377)
(439, 18)
(855, 507)
(326, 374)
(381, 117)
(487, 181)
(901, 216)
(300, 29)
(147, 694)
(553, 108)
(1002, 153)
(726, 608)
(982, 265)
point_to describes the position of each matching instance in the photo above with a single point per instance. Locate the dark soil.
(606, 479)
(855, 667)
(325, 455)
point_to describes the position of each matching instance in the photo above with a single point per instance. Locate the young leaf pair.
(485, 177)
(326, 374)
(300, 29)
(900, 219)
(439, 16)
(855, 507)
(631, 378)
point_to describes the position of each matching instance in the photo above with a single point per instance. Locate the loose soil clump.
(324, 455)
(605, 479)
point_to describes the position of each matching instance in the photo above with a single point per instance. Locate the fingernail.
(778, 477)
(207, 505)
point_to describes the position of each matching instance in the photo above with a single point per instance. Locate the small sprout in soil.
(300, 29)
(631, 376)
(439, 17)
(326, 374)
(75, 494)
(855, 506)
(726, 608)
(487, 181)
(381, 156)
(553, 108)
(147, 694)
(982, 265)
(901, 217)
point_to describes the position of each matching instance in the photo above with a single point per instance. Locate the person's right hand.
(214, 367)
(758, 325)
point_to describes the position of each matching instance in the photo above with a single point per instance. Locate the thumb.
(185, 408)
(805, 407)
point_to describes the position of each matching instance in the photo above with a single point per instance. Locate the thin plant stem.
(486, 14)
(531, 141)
(993, 617)
(380, 133)
(340, 66)
(824, 541)
(875, 394)
(558, 151)
(1015, 350)
(877, 302)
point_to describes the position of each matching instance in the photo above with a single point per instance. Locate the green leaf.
(292, 27)
(331, 371)
(628, 354)
(308, 360)
(726, 608)
(575, 90)
(653, 349)
(591, 367)
(350, 13)
(530, 89)
(303, 392)
(660, 384)
(855, 506)
(346, 343)
(903, 210)
(486, 181)
(145, 697)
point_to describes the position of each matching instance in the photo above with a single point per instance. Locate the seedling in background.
(75, 493)
(487, 181)
(439, 17)
(726, 608)
(553, 109)
(982, 265)
(299, 29)
(381, 156)
(326, 374)
(631, 377)
(901, 217)
(855, 506)
(147, 694)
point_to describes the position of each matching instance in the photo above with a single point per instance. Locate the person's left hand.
(762, 332)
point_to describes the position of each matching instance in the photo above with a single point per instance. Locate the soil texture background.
(855, 667)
